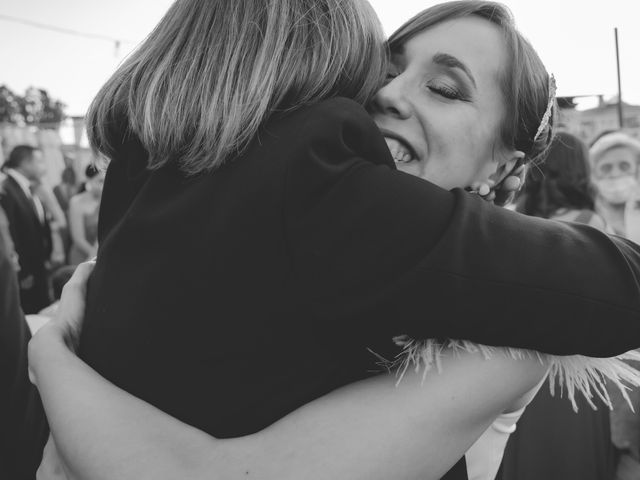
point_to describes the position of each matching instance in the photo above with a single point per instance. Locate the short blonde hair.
(198, 88)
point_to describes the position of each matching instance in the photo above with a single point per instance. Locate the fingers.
(79, 278)
(484, 189)
(504, 198)
(70, 312)
(507, 189)
(511, 183)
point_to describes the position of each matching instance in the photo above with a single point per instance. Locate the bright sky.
(575, 40)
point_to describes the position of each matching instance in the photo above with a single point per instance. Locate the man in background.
(28, 224)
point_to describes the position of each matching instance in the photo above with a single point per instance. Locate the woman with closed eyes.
(308, 250)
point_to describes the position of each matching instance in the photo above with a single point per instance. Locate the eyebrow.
(452, 62)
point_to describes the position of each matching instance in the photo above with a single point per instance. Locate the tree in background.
(36, 107)
(9, 106)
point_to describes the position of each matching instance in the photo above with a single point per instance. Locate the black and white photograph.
(319, 240)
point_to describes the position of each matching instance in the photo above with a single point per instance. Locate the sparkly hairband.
(547, 114)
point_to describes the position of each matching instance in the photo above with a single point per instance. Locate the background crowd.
(46, 229)
(595, 185)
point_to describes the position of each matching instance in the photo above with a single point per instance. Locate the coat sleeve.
(378, 253)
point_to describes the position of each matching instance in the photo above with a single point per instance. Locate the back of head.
(562, 181)
(68, 176)
(198, 88)
(526, 87)
(19, 155)
(91, 171)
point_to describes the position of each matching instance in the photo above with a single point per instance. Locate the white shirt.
(25, 185)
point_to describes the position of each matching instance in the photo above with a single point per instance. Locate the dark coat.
(32, 241)
(230, 299)
(23, 426)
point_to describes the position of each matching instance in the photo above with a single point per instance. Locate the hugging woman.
(257, 242)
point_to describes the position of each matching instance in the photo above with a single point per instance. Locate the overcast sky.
(574, 38)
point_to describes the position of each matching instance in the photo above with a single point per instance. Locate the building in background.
(588, 124)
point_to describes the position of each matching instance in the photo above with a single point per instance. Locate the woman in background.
(560, 188)
(552, 441)
(83, 217)
(615, 158)
(66, 189)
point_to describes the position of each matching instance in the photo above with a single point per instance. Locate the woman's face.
(442, 109)
(616, 162)
(95, 184)
(615, 175)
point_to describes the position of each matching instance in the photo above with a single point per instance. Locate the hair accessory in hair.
(547, 114)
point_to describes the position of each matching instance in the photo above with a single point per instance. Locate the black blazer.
(230, 299)
(32, 238)
(23, 426)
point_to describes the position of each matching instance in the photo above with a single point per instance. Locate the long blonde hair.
(198, 88)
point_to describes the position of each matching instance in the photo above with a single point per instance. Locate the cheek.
(459, 162)
(480, 153)
(458, 149)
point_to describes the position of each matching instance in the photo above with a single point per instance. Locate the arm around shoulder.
(387, 254)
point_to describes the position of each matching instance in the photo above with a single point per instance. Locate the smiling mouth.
(400, 150)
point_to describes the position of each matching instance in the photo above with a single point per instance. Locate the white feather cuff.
(573, 373)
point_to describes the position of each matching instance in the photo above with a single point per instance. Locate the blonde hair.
(198, 88)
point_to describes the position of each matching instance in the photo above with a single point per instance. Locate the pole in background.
(620, 118)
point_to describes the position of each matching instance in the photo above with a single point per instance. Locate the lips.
(400, 152)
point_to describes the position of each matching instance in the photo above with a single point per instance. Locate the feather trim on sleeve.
(573, 373)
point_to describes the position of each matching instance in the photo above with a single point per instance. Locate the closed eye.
(446, 92)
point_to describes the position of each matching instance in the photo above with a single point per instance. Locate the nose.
(392, 100)
(616, 171)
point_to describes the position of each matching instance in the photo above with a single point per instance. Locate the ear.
(506, 165)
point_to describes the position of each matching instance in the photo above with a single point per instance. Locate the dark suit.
(32, 239)
(230, 299)
(23, 427)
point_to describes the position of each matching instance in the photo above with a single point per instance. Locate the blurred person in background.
(560, 188)
(614, 158)
(23, 426)
(57, 223)
(66, 189)
(552, 441)
(28, 224)
(83, 217)
(614, 165)
(6, 243)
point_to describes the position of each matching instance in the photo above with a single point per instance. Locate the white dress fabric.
(485, 455)
(572, 374)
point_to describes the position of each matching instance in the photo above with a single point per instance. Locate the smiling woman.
(444, 103)
(464, 87)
